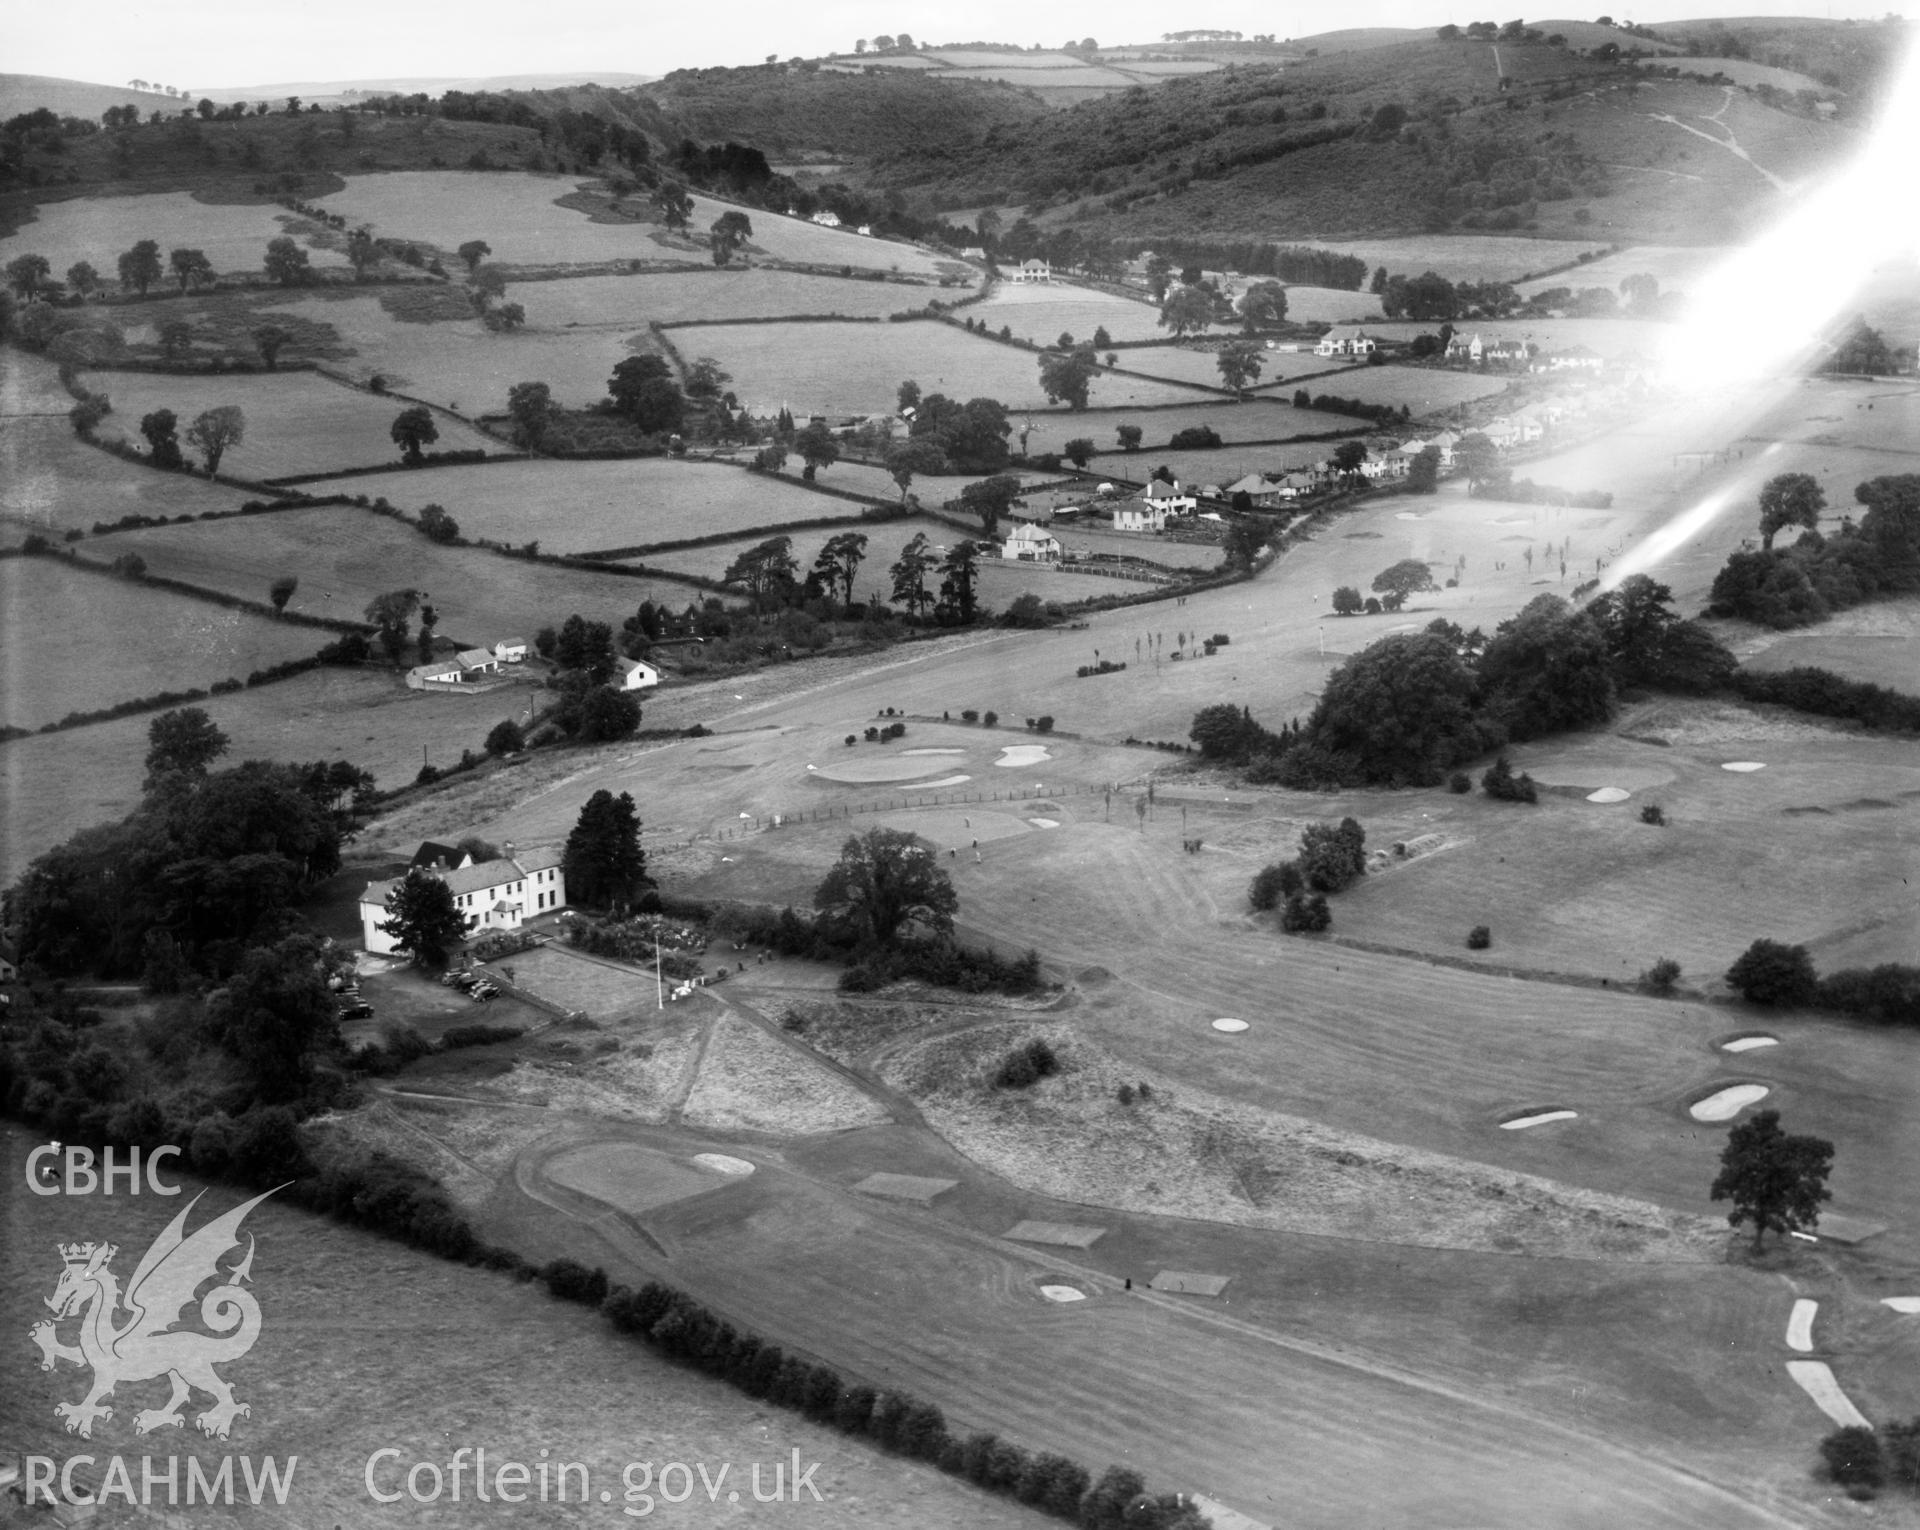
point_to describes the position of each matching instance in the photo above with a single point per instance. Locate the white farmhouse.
(636, 674)
(1028, 543)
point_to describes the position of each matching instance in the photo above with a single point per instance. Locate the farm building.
(432, 855)
(494, 895)
(1033, 271)
(1139, 515)
(827, 219)
(511, 650)
(481, 661)
(1031, 544)
(440, 672)
(1256, 486)
(637, 674)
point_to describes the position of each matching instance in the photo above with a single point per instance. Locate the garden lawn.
(1003, 581)
(297, 422)
(572, 507)
(1043, 311)
(50, 482)
(1255, 420)
(77, 640)
(344, 557)
(843, 369)
(234, 237)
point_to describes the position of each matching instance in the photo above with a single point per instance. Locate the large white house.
(1171, 498)
(1031, 544)
(1139, 515)
(1034, 271)
(492, 895)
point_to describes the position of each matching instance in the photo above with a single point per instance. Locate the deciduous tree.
(1772, 972)
(1187, 310)
(281, 590)
(1789, 499)
(27, 274)
(1263, 306)
(912, 458)
(817, 448)
(287, 262)
(530, 407)
(1067, 376)
(674, 205)
(191, 268)
(164, 446)
(140, 266)
(990, 499)
(269, 340)
(216, 431)
(1240, 364)
(1128, 436)
(181, 744)
(1776, 1181)
(764, 571)
(413, 431)
(730, 231)
(276, 1016)
(473, 252)
(884, 879)
(910, 572)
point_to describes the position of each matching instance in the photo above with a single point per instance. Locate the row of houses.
(473, 666)
(500, 894)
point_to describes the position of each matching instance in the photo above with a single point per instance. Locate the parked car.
(358, 1010)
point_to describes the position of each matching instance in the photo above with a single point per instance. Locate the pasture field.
(1744, 71)
(1176, 363)
(1464, 257)
(1253, 420)
(463, 366)
(78, 640)
(1000, 581)
(344, 557)
(1289, 366)
(1082, 78)
(1424, 390)
(1331, 305)
(331, 1387)
(234, 236)
(570, 507)
(518, 215)
(730, 292)
(1014, 64)
(57, 783)
(870, 478)
(1153, 548)
(857, 368)
(1612, 338)
(1878, 643)
(50, 482)
(297, 422)
(1673, 266)
(1043, 311)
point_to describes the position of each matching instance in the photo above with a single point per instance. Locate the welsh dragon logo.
(146, 1344)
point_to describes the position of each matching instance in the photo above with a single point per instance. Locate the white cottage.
(493, 895)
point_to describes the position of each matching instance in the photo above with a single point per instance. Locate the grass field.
(1043, 311)
(344, 557)
(1673, 266)
(78, 641)
(1463, 257)
(297, 422)
(857, 368)
(1744, 71)
(61, 782)
(1330, 305)
(1176, 363)
(1612, 338)
(50, 482)
(732, 292)
(517, 215)
(330, 1383)
(583, 506)
(234, 236)
(1253, 420)
(1421, 389)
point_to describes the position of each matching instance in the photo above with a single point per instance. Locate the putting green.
(891, 767)
(1597, 774)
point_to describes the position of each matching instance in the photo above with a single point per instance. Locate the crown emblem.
(78, 1253)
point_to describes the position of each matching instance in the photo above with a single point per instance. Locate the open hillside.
(1425, 134)
(781, 110)
(73, 98)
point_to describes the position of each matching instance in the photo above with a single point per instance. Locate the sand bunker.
(1749, 1043)
(1231, 1027)
(1609, 794)
(1044, 823)
(1022, 754)
(909, 753)
(1743, 766)
(892, 767)
(1816, 1380)
(1908, 1304)
(1800, 1325)
(1405, 515)
(720, 1163)
(1537, 1118)
(1725, 1104)
(1063, 1294)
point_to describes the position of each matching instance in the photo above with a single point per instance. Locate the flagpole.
(659, 991)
